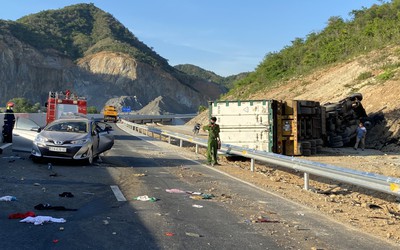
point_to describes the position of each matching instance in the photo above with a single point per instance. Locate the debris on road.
(175, 191)
(39, 220)
(169, 234)
(8, 198)
(66, 194)
(264, 220)
(49, 207)
(207, 196)
(201, 196)
(21, 215)
(193, 234)
(197, 206)
(138, 175)
(145, 198)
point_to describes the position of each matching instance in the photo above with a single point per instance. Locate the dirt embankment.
(376, 76)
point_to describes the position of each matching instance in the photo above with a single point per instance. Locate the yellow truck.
(110, 113)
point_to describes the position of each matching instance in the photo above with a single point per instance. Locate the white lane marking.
(117, 192)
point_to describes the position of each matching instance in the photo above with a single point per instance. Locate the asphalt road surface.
(171, 222)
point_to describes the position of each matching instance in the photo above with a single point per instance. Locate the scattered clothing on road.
(8, 198)
(175, 191)
(39, 220)
(145, 198)
(22, 215)
(49, 207)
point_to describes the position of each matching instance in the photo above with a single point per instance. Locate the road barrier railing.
(372, 181)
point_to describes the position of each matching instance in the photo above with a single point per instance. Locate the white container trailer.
(249, 124)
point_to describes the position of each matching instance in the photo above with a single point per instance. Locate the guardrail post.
(306, 181)
(197, 148)
(180, 143)
(160, 137)
(252, 165)
(169, 139)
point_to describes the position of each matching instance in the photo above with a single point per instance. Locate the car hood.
(63, 136)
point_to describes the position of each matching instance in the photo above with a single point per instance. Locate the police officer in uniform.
(213, 139)
(9, 121)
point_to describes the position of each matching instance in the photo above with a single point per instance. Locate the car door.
(24, 132)
(106, 136)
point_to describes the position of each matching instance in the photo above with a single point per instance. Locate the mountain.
(196, 71)
(88, 51)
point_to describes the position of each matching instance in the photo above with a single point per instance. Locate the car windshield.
(68, 126)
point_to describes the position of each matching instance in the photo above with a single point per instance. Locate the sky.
(224, 36)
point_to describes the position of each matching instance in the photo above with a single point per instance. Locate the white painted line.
(6, 145)
(117, 192)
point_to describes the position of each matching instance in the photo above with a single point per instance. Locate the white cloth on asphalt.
(8, 198)
(39, 220)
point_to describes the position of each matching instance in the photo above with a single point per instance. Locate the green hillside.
(367, 30)
(209, 75)
(79, 30)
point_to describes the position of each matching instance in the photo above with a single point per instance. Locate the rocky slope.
(366, 75)
(31, 70)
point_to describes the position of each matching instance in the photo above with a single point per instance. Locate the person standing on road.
(9, 121)
(213, 139)
(360, 136)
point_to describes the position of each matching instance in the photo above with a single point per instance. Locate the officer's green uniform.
(212, 145)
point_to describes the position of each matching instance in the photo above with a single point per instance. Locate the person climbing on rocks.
(213, 140)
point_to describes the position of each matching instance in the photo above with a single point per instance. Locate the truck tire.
(313, 151)
(319, 149)
(305, 145)
(337, 144)
(335, 139)
(306, 152)
(346, 140)
(353, 97)
(319, 142)
(331, 107)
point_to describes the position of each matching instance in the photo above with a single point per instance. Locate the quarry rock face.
(32, 73)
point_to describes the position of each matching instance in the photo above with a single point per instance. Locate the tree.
(202, 108)
(92, 110)
(22, 105)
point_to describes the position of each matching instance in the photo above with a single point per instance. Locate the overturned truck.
(296, 127)
(342, 119)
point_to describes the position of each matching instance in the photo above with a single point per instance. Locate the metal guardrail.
(381, 183)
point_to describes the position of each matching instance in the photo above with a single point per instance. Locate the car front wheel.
(90, 156)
